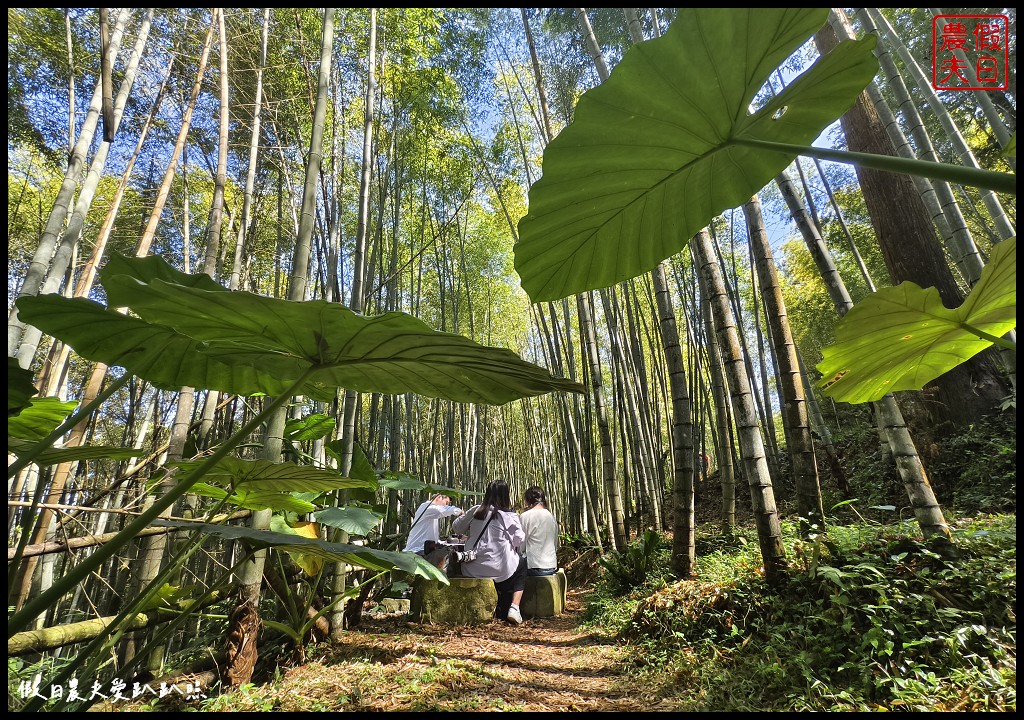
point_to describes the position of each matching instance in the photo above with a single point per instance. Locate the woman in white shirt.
(541, 530)
(494, 536)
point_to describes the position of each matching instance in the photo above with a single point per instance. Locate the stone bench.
(465, 601)
(471, 601)
(544, 595)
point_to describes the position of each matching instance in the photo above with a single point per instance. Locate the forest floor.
(389, 664)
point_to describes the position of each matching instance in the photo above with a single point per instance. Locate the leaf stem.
(1001, 342)
(974, 177)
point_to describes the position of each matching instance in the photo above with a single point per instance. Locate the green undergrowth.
(868, 619)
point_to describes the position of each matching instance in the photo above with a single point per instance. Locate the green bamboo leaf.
(266, 476)
(351, 519)
(651, 155)
(370, 558)
(20, 388)
(903, 337)
(41, 417)
(310, 427)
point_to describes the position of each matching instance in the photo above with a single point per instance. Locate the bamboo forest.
(713, 308)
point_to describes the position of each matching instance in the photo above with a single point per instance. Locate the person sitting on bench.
(495, 535)
(425, 533)
(541, 530)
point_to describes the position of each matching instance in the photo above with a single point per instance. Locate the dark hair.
(535, 496)
(496, 497)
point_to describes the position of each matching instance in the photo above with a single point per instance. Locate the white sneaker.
(514, 616)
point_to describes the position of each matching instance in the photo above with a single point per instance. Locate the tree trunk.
(245, 622)
(61, 206)
(800, 447)
(908, 463)
(683, 525)
(839, 24)
(762, 496)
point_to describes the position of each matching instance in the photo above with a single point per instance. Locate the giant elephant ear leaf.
(903, 337)
(654, 153)
(55, 456)
(278, 341)
(350, 518)
(311, 564)
(309, 427)
(255, 499)
(157, 353)
(41, 417)
(146, 269)
(266, 476)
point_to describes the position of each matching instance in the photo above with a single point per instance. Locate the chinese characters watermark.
(116, 691)
(970, 52)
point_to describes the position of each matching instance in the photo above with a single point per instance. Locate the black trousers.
(507, 588)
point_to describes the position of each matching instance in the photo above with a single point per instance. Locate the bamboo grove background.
(428, 126)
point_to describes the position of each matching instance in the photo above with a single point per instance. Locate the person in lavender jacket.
(494, 536)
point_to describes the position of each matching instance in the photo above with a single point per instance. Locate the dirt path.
(389, 664)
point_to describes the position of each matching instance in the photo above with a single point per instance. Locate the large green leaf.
(404, 481)
(379, 560)
(157, 353)
(40, 418)
(652, 154)
(309, 427)
(192, 334)
(255, 499)
(401, 481)
(392, 353)
(19, 387)
(901, 338)
(144, 269)
(266, 476)
(351, 519)
(360, 466)
(55, 456)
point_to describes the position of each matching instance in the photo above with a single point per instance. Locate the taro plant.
(672, 139)
(186, 330)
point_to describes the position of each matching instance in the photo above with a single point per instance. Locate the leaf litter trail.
(388, 664)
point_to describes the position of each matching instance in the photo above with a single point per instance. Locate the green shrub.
(882, 622)
(629, 568)
(978, 467)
